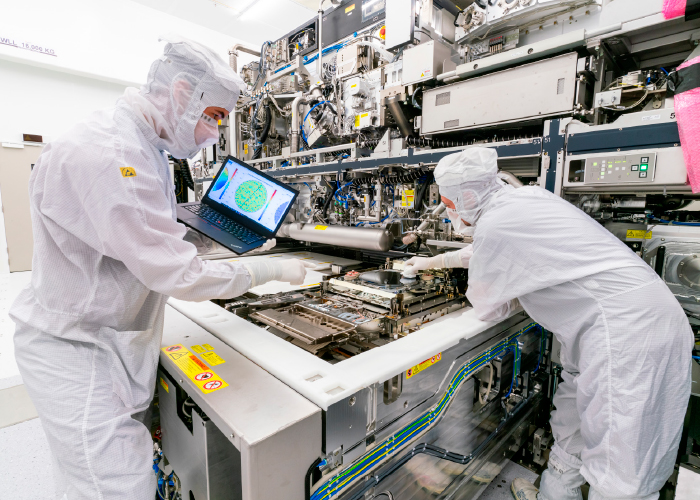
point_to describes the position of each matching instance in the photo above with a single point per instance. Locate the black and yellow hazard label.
(422, 366)
(164, 384)
(128, 172)
(194, 368)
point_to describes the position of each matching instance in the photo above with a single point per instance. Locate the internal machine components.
(358, 311)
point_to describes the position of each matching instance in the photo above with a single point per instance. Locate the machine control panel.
(634, 168)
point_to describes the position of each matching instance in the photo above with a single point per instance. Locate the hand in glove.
(449, 260)
(268, 245)
(292, 271)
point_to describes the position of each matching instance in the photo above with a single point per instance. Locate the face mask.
(206, 132)
(458, 224)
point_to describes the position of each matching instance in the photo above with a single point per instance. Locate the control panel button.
(645, 159)
(644, 167)
(642, 174)
(635, 168)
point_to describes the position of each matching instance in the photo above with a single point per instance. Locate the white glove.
(268, 245)
(292, 271)
(449, 260)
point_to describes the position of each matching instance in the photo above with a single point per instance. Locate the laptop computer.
(242, 208)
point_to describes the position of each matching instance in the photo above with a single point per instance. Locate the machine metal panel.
(277, 431)
(203, 458)
(527, 92)
(400, 16)
(665, 171)
(422, 62)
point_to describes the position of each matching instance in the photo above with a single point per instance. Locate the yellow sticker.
(245, 149)
(350, 8)
(364, 115)
(164, 384)
(208, 347)
(422, 366)
(198, 349)
(321, 228)
(194, 369)
(128, 172)
(353, 85)
(213, 359)
(638, 234)
(357, 121)
(407, 198)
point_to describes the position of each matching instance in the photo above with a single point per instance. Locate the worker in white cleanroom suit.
(626, 342)
(108, 253)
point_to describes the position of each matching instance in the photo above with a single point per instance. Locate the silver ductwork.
(377, 239)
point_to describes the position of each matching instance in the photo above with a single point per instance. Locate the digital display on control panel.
(620, 169)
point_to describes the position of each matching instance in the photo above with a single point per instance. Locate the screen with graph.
(246, 192)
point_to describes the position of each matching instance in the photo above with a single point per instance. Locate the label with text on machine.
(422, 366)
(195, 369)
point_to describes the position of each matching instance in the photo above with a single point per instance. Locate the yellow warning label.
(208, 347)
(357, 121)
(213, 359)
(422, 366)
(633, 234)
(194, 369)
(353, 85)
(128, 172)
(164, 384)
(407, 198)
(198, 349)
(321, 228)
(350, 8)
(245, 149)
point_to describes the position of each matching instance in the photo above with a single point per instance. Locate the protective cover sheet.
(687, 105)
(674, 8)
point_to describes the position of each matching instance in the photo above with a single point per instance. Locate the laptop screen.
(250, 194)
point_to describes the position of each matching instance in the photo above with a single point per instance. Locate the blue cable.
(662, 69)
(674, 223)
(696, 358)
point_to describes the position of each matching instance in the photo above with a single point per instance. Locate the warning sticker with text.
(422, 366)
(194, 368)
(213, 359)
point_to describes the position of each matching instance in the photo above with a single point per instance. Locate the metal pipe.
(404, 126)
(319, 42)
(233, 55)
(510, 179)
(413, 236)
(443, 76)
(294, 142)
(376, 239)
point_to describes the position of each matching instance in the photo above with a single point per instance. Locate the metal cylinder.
(413, 236)
(404, 125)
(377, 239)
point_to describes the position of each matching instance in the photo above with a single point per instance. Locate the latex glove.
(292, 271)
(449, 260)
(269, 245)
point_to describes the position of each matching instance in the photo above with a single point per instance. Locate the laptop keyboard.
(223, 222)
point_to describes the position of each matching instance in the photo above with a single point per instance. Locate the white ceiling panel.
(252, 21)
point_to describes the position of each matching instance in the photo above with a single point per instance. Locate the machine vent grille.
(560, 86)
(451, 123)
(442, 99)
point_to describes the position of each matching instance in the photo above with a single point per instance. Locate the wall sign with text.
(21, 44)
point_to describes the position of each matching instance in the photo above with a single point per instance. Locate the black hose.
(418, 202)
(307, 478)
(327, 204)
(265, 132)
(433, 143)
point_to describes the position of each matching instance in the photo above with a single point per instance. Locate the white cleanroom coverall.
(108, 253)
(626, 342)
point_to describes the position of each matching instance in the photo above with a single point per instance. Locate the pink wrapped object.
(687, 105)
(674, 8)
